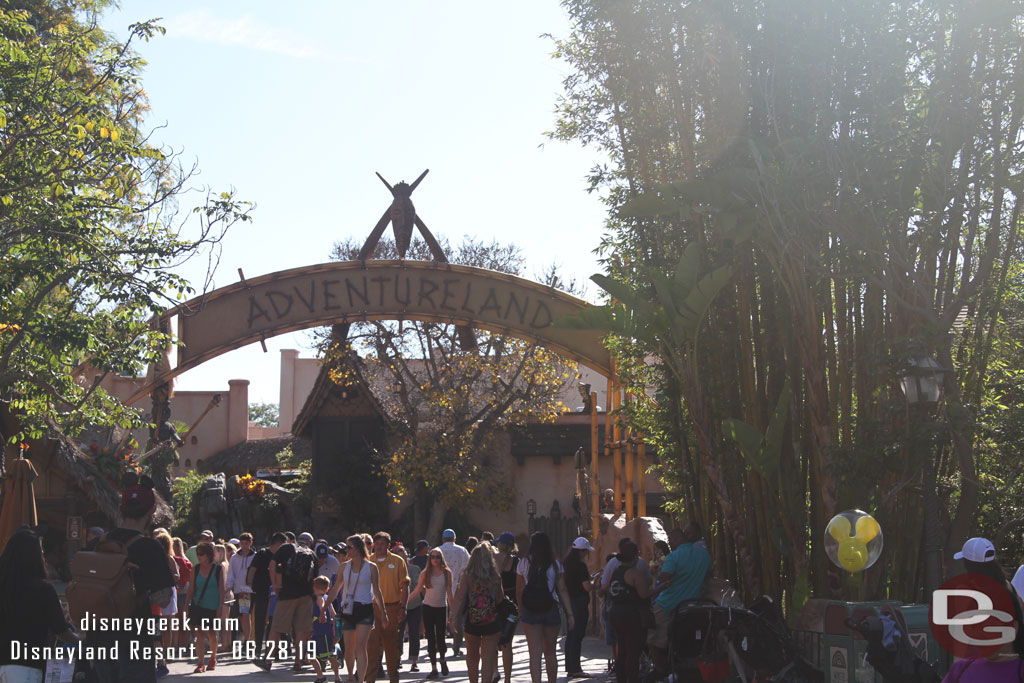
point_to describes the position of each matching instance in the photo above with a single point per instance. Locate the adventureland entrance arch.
(346, 292)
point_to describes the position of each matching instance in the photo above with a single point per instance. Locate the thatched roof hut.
(260, 454)
(67, 473)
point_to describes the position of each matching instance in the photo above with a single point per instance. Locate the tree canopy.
(857, 168)
(450, 404)
(91, 236)
(264, 414)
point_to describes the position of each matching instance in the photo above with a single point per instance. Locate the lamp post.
(922, 386)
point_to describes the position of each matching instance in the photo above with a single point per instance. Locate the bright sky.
(296, 106)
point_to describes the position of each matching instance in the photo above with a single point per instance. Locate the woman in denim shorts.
(358, 588)
(540, 592)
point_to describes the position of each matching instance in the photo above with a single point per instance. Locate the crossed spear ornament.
(402, 217)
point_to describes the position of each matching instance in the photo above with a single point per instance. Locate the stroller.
(706, 638)
(889, 649)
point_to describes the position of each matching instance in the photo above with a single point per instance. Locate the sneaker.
(432, 675)
(444, 668)
(162, 670)
(262, 663)
(414, 667)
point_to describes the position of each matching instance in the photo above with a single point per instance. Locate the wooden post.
(641, 466)
(617, 448)
(608, 435)
(630, 476)
(627, 447)
(595, 494)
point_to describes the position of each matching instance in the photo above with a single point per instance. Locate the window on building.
(199, 462)
(195, 440)
(188, 462)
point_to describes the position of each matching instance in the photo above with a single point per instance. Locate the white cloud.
(202, 25)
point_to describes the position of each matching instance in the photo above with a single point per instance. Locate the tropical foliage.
(857, 169)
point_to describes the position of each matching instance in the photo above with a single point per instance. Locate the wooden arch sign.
(353, 291)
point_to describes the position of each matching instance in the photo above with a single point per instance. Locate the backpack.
(536, 596)
(101, 581)
(620, 592)
(482, 610)
(302, 567)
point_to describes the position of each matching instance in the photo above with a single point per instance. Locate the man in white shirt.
(456, 557)
(238, 568)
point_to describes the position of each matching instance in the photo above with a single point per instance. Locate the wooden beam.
(617, 450)
(630, 481)
(641, 466)
(595, 494)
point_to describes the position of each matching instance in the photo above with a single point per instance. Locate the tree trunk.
(436, 519)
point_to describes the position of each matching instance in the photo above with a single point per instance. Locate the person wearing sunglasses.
(435, 588)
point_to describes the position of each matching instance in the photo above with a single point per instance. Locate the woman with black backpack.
(540, 590)
(507, 560)
(478, 601)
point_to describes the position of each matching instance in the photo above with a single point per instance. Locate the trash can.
(921, 638)
(843, 652)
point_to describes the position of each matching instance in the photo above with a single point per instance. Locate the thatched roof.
(255, 455)
(81, 469)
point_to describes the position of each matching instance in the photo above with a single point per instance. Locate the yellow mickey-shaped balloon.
(853, 553)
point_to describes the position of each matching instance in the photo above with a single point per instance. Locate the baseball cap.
(507, 538)
(580, 543)
(977, 550)
(422, 544)
(322, 550)
(448, 534)
(206, 533)
(233, 541)
(306, 537)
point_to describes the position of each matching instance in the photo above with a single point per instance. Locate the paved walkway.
(594, 661)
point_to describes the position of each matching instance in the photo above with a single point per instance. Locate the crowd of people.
(355, 604)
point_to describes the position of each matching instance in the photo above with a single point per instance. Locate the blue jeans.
(574, 639)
